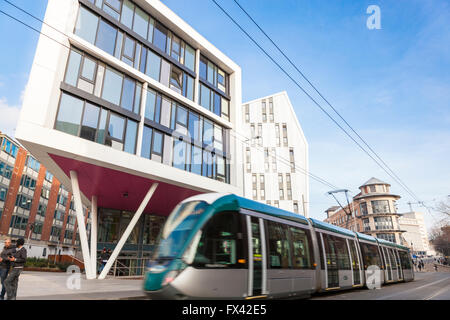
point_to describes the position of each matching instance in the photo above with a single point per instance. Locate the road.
(426, 286)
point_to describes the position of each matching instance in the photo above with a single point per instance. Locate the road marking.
(437, 293)
(425, 285)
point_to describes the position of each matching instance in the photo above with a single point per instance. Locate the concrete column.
(81, 225)
(141, 123)
(196, 81)
(94, 225)
(127, 232)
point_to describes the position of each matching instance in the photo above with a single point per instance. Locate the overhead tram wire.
(320, 94)
(397, 179)
(308, 95)
(32, 28)
(283, 160)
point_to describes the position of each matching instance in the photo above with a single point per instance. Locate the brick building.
(34, 204)
(373, 212)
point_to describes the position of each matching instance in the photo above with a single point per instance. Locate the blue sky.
(392, 85)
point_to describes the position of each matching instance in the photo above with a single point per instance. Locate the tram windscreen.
(178, 227)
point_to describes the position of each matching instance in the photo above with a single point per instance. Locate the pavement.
(60, 286)
(426, 286)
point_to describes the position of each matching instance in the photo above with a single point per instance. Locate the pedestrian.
(5, 264)
(18, 260)
(103, 259)
(419, 265)
(435, 267)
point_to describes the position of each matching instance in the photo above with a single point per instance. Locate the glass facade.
(140, 41)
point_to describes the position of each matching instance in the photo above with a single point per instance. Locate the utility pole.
(349, 214)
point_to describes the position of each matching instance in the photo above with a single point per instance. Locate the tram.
(222, 246)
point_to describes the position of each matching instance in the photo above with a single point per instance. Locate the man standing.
(18, 260)
(5, 264)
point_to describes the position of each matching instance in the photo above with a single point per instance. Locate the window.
(292, 160)
(113, 86)
(23, 201)
(387, 236)
(277, 134)
(343, 257)
(380, 206)
(205, 97)
(213, 75)
(302, 248)
(33, 164)
(153, 65)
(285, 139)
(278, 242)
(106, 37)
(221, 243)
(371, 255)
(176, 79)
(86, 26)
(120, 131)
(383, 223)
(127, 13)
(9, 148)
(189, 57)
(363, 208)
(140, 25)
(366, 224)
(69, 115)
(160, 36)
(3, 193)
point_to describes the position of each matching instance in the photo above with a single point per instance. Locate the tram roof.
(234, 202)
(330, 227)
(366, 237)
(390, 244)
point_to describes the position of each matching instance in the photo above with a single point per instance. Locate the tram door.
(257, 261)
(388, 264)
(356, 265)
(399, 266)
(331, 263)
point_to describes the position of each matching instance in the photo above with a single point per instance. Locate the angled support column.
(94, 225)
(81, 225)
(127, 232)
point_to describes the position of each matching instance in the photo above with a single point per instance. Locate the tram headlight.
(170, 276)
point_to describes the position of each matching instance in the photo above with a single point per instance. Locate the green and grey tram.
(216, 246)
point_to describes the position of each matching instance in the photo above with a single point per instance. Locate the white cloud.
(9, 116)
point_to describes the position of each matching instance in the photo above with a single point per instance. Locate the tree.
(444, 208)
(440, 238)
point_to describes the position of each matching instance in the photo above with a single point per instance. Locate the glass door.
(356, 265)
(387, 264)
(331, 263)
(257, 261)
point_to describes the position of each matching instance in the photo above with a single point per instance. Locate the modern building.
(276, 154)
(373, 212)
(133, 110)
(34, 205)
(416, 236)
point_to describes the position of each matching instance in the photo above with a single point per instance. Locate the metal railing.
(128, 266)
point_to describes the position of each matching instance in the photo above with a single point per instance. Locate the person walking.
(419, 265)
(103, 259)
(18, 260)
(5, 264)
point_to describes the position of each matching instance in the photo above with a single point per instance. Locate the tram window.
(371, 255)
(405, 259)
(343, 257)
(279, 249)
(330, 251)
(301, 242)
(319, 240)
(220, 244)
